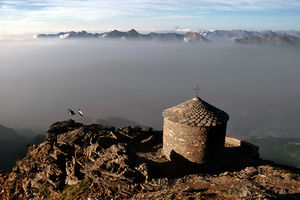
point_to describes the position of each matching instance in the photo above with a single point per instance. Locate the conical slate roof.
(196, 112)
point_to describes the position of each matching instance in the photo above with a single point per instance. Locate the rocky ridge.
(79, 161)
(129, 35)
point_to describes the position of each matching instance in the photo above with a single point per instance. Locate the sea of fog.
(257, 86)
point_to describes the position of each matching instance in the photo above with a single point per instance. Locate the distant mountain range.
(240, 36)
(277, 40)
(129, 35)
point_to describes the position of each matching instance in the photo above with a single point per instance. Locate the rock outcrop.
(79, 161)
(194, 37)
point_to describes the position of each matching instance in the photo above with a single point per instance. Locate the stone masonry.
(194, 130)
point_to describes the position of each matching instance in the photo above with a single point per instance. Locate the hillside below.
(79, 161)
(12, 147)
(281, 150)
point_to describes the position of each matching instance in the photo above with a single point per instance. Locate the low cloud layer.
(257, 86)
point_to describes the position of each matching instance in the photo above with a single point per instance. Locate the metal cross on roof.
(197, 90)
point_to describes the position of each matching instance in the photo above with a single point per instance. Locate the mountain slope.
(220, 35)
(272, 40)
(8, 133)
(79, 161)
(194, 37)
(282, 150)
(12, 147)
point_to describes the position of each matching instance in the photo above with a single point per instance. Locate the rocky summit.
(79, 161)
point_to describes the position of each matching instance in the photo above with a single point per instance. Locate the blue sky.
(36, 16)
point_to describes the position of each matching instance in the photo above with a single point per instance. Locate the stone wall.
(232, 142)
(196, 144)
(244, 147)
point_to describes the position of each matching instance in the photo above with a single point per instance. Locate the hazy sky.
(35, 16)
